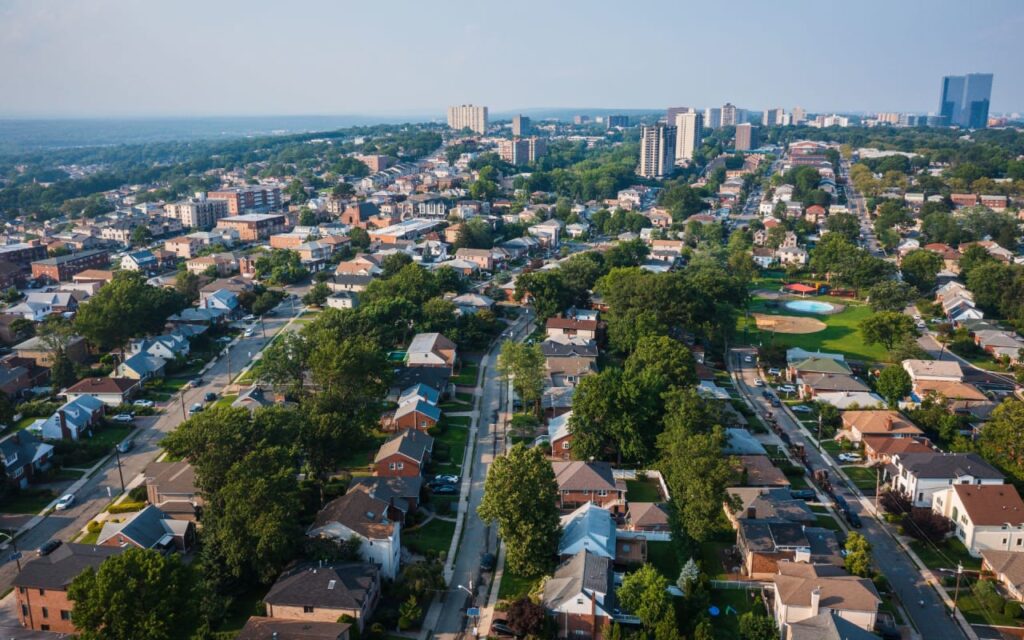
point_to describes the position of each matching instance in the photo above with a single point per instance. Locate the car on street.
(125, 445)
(766, 394)
(196, 408)
(143, 403)
(840, 503)
(802, 408)
(759, 382)
(445, 479)
(444, 489)
(850, 457)
(196, 382)
(48, 547)
(249, 318)
(210, 396)
(775, 402)
(853, 519)
(123, 418)
(488, 562)
(65, 501)
(250, 332)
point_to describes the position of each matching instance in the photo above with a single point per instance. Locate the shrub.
(126, 507)
(94, 526)
(1012, 609)
(38, 408)
(138, 494)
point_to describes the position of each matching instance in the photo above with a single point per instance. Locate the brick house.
(150, 528)
(582, 482)
(431, 350)
(764, 543)
(559, 436)
(580, 596)
(404, 455)
(315, 593)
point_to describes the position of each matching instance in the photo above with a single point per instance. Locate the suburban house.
(765, 543)
(858, 424)
(571, 328)
(767, 504)
(71, 421)
(803, 592)
(42, 585)
(559, 436)
(223, 300)
(569, 359)
(984, 517)
(110, 391)
(470, 303)
(24, 455)
(882, 449)
(812, 385)
(253, 398)
(264, 628)
(939, 370)
(921, 475)
(405, 454)
(580, 596)
(150, 528)
(431, 350)
(1008, 568)
(324, 593)
(171, 487)
(359, 514)
(417, 409)
(583, 482)
(141, 366)
(401, 493)
(758, 471)
(817, 363)
(591, 528)
(168, 346)
(482, 258)
(35, 349)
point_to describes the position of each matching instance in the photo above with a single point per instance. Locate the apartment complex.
(61, 268)
(255, 198)
(773, 117)
(522, 151)
(197, 213)
(520, 125)
(467, 116)
(618, 121)
(254, 226)
(730, 115)
(713, 117)
(747, 137)
(657, 150)
(22, 254)
(689, 134)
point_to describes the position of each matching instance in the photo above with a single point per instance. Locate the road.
(105, 484)
(478, 539)
(855, 202)
(984, 380)
(908, 583)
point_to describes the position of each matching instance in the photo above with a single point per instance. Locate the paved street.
(930, 618)
(105, 484)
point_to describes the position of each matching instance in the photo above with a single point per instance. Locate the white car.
(801, 408)
(123, 418)
(65, 501)
(850, 457)
(774, 372)
(250, 332)
(143, 403)
(759, 382)
(787, 388)
(748, 359)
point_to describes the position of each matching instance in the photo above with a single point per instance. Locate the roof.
(838, 593)
(146, 528)
(647, 514)
(796, 354)
(435, 377)
(103, 385)
(760, 472)
(776, 503)
(339, 586)
(949, 390)
(884, 446)
(822, 364)
(834, 382)
(418, 405)
(428, 342)
(577, 475)
(396, 491)
(420, 390)
(569, 348)
(1006, 563)
(558, 427)
(571, 323)
(849, 399)
(933, 369)
(143, 362)
(59, 568)
(879, 422)
(589, 527)
(360, 512)
(991, 504)
(71, 257)
(742, 442)
(948, 465)
(828, 625)
(410, 443)
(585, 571)
(259, 628)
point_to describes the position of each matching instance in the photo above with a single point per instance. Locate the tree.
(141, 235)
(521, 495)
(317, 295)
(137, 594)
(920, 267)
(926, 525)
(525, 366)
(887, 328)
(6, 413)
(844, 224)
(307, 217)
(264, 302)
(548, 292)
(1002, 439)
(124, 308)
(297, 191)
(890, 295)
(894, 384)
(527, 617)
(688, 575)
(393, 263)
(280, 266)
(644, 593)
(858, 555)
(409, 613)
(754, 626)
(186, 284)
(474, 233)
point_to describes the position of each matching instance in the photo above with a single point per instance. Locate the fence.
(747, 585)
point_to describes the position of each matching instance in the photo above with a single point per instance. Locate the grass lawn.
(841, 334)
(467, 375)
(711, 558)
(24, 422)
(833, 447)
(435, 536)
(450, 446)
(642, 491)
(27, 501)
(89, 537)
(68, 474)
(514, 586)
(828, 522)
(225, 401)
(457, 421)
(948, 553)
(978, 614)
(863, 477)
(455, 406)
(111, 434)
(796, 478)
(664, 558)
(731, 604)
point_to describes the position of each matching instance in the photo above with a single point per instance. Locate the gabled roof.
(991, 504)
(429, 342)
(591, 528)
(262, 628)
(742, 442)
(59, 568)
(828, 625)
(822, 364)
(576, 475)
(360, 512)
(584, 572)
(418, 405)
(103, 385)
(1006, 563)
(874, 421)
(647, 514)
(948, 466)
(410, 443)
(144, 363)
(146, 528)
(838, 593)
(397, 491)
(338, 586)
(421, 391)
(558, 427)
(577, 348)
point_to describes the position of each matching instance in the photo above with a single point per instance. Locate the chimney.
(815, 601)
(888, 423)
(751, 512)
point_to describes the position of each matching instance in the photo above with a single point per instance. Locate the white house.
(169, 346)
(984, 517)
(938, 370)
(921, 475)
(805, 591)
(34, 311)
(360, 515)
(73, 419)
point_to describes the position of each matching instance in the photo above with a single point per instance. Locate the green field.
(434, 536)
(945, 554)
(642, 491)
(841, 334)
(863, 477)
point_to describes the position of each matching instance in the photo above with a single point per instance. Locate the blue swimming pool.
(810, 306)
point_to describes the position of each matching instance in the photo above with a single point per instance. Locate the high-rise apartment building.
(747, 137)
(689, 133)
(618, 121)
(773, 117)
(199, 212)
(520, 151)
(965, 99)
(248, 199)
(799, 115)
(520, 125)
(657, 150)
(467, 116)
(672, 112)
(712, 118)
(729, 115)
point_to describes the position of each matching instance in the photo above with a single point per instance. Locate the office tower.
(772, 117)
(689, 133)
(729, 115)
(746, 137)
(467, 116)
(712, 118)
(965, 100)
(520, 125)
(618, 121)
(799, 115)
(657, 150)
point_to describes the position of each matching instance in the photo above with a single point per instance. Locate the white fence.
(650, 536)
(633, 474)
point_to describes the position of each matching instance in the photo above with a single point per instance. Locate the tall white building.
(729, 115)
(467, 116)
(689, 133)
(657, 150)
(799, 115)
(712, 118)
(773, 117)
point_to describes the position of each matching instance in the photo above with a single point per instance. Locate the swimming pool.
(810, 306)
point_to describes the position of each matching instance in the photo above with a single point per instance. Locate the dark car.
(210, 396)
(853, 519)
(802, 494)
(841, 503)
(488, 562)
(775, 402)
(444, 489)
(501, 629)
(48, 547)
(196, 382)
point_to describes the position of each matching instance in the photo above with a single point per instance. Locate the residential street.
(104, 485)
(930, 619)
(477, 538)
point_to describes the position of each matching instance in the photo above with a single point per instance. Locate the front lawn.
(863, 477)
(450, 448)
(645, 490)
(435, 536)
(945, 554)
(110, 435)
(225, 401)
(27, 501)
(977, 613)
(467, 375)
(515, 586)
(828, 522)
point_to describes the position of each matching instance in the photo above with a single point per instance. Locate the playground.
(788, 324)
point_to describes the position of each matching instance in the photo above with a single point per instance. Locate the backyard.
(643, 490)
(731, 604)
(664, 558)
(433, 537)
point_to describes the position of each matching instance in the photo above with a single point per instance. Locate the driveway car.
(125, 446)
(850, 457)
(445, 479)
(802, 408)
(143, 403)
(444, 489)
(759, 382)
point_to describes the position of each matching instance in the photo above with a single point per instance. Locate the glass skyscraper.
(965, 100)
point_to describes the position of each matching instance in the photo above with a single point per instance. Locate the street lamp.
(956, 592)
(16, 556)
(117, 454)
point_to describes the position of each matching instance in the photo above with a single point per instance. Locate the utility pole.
(227, 352)
(819, 432)
(117, 454)
(956, 592)
(878, 485)
(181, 396)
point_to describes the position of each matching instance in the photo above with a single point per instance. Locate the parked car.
(125, 445)
(767, 394)
(196, 408)
(802, 494)
(775, 402)
(787, 388)
(48, 547)
(500, 629)
(196, 382)
(840, 503)
(123, 418)
(774, 372)
(748, 358)
(759, 382)
(444, 489)
(445, 479)
(65, 501)
(210, 396)
(249, 318)
(250, 332)
(850, 457)
(802, 408)
(488, 562)
(853, 519)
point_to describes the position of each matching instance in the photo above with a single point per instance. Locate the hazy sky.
(398, 57)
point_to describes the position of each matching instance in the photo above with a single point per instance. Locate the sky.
(137, 58)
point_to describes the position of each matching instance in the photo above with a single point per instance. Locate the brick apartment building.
(62, 268)
(197, 213)
(23, 254)
(254, 226)
(245, 199)
(42, 585)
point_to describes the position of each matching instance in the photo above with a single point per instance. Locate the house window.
(307, 609)
(602, 492)
(46, 612)
(65, 614)
(44, 627)
(24, 611)
(401, 465)
(391, 466)
(42, 592)
(565, 444)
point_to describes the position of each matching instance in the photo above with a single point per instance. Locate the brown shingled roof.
(991, 504)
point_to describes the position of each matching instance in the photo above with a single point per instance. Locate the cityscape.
(314, 334)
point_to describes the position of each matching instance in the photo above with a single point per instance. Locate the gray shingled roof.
(311, 585)
(58, 569)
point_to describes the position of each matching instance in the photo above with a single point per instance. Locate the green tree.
(887, 328)
(521, 495)
(307, 217)
(393, 263)
(754, 626)
(858, 555)
(644, 593)
(297, 191)
(894, 384)
(186, 284)
(1002, 439)
(317, 295)
(474, 233)
(137, 594)
(280, 266)
(124, 308)
(141, 235)
(890, 295)
(920, 267)
(549, 293)
(525, 366)
(409, 613)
